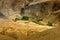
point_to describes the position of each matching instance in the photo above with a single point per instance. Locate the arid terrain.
(29, 19)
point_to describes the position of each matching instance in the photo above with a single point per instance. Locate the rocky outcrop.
(12, 8)
(44, 10)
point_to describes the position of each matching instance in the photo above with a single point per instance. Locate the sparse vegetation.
(35, 20)
(25, 18)
(16, 19)
(49, 24)
(30, 0)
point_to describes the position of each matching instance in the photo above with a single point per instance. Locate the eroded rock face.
(12, 9)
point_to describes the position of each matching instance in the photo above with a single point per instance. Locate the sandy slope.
(21, 30)
(4, 37)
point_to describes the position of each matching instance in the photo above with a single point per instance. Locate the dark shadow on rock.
(3, 16)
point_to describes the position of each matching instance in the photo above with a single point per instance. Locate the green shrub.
(49, 24)
(37, 20)
(16, 19)
(30, 0)
(25, 18)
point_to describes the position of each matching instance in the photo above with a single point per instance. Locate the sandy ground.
(21, 30)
